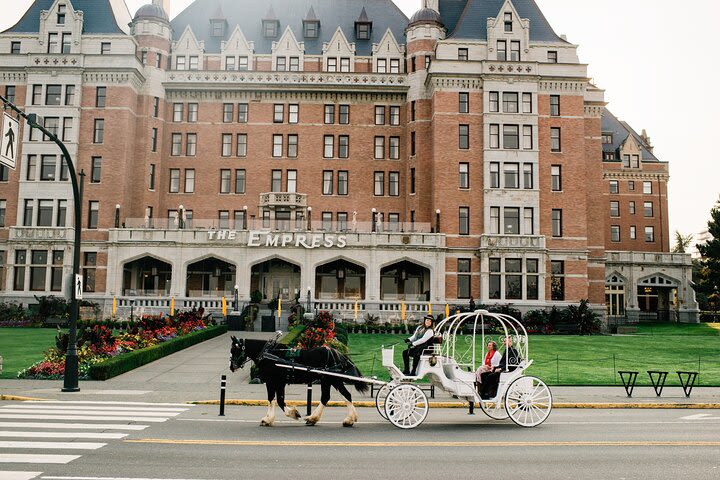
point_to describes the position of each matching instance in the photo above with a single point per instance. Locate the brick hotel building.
(331, 148)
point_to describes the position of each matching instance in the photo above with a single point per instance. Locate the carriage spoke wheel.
(494, 410)
(380, 398)
(406, 406)
(528, 401)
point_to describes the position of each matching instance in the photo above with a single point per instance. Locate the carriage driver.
(421, 339)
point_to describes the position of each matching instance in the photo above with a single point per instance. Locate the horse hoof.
(310, 423)
(266, 423)
(348, 424)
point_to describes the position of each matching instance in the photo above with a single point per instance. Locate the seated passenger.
(421, 339)
(508, 363)
(492, 360)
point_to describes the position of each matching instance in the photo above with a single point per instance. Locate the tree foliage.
(682, 242)
(708, 281)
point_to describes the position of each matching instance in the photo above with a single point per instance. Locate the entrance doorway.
(657, 297)
(405, 281)
(147, 276)
(210, 277)
(276, 278)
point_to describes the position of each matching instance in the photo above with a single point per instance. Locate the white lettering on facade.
(222, 234)
(255, 239)
(342, 241)
(316, 241)
(300, 240)
(211, 234)
(232, 235)
(286, 239)
(329, 241)
(272, 240)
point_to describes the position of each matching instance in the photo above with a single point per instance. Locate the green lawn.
(574, 360)
(21, 347)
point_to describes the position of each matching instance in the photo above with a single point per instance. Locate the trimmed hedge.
(129, 361)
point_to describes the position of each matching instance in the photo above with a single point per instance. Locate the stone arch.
(659, 280)
(616, 278)
(210, 275)
(409, 280)
(340, 278)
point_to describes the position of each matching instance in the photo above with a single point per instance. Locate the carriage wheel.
(380, 398)
(494, 410)
(406, 406)
(528, 401)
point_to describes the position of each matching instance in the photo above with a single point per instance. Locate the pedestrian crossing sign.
(9, 141)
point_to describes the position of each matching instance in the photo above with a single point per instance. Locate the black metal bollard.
(471, 408)
(222, 396)
(309, 399)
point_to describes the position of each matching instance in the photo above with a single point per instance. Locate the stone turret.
(151, 28)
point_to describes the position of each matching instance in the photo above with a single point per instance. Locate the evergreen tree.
(709, 278)
(682, 242)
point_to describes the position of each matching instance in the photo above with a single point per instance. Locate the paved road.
(182, 442)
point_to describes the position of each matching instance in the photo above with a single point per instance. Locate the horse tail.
(352, 370)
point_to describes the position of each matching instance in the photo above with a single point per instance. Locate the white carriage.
(451, 365)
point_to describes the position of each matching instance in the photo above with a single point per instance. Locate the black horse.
(266, 355)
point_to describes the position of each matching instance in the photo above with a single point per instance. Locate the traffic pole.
(222, 395)
(309, 399)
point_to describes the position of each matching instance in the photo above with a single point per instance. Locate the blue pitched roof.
(472, 24)
(621, 131)
(450, 11)
(248, 14)
(98, 17)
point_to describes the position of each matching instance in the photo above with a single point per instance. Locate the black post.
(117, 216)
(309, 399)
(222, 396)
(437, 221)
(471, 408)
(374, 220)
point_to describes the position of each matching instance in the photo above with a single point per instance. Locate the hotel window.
(176, 145)
(327, 187)
(494, 175)
(291, 181)
(328, 146)
(191, 144)
(635, 161)
(343, 146)
(552, 56)
(614, 186)
(511, 138)
(394, 184)
(310, 28)
(555, 106)
(413, 64)
(240, 181)
(464, 221)
(464, 175)
(36, 94)
(243, 63)
(511, 175)
(647, 188)
(3, 209)
(329, 114)
(614, 233)
(239, 219)
(61, 213)
(266, 218)
(394, 65)
(344, 64)
(96, 171)
(342, 188)
(495, 220)
(380, 115)
(557, 223)
(527, 103)
(463, 54)
(158, 60)
(19, 273)
(394, 148)
(494, 103)
(527, 137)
(4, 173)
(555, 144)
(412, 180)
(226, 144)
(53, 93)
(227, 112)
(362, 30)
(327, 221)
(394, 115)
(100, 96)
(648, 209)
(413, 144)
(510, 102)
(151, 177)
(277, 149)
(270, 28)
(293, 113)
(515, 51)
(99, 132)
(174, 180)
(344, 116)
(15, 48)
(649, 234)
(531, 281)
(294, 64)
(428, 60)
(180, 63)
(508, 22)
(156, 107)
(45, 213)
(464, 102)
(511, 222)
(494, 136)
(178, 112)
(66, 42)
(31, 168)
(557, 280)
(276, 181)
(229, 63)
(528, 182)
(292, 147)
(10, 93)
(608, 155)
(379, 147)
(528, 221)
(502, 50)
(56, 273)
(381, 65)
(633, 232)
(105, 49)
(332, 64)
(225, 180)
(153, 139)
(47, 168)
(463, 278)
(242, 113)
(224, 219)
(53, 45)
(413, 110)
(38, 270)
(52, 124)
(464, 137)
(607, 138)
(495, 279)
(626, 161)
(189, 180)
(342, 219)
(192, 112)
(278, 113)
(280, 64)
(64, 171)
(513, 279)
(631, 208)
(28, 213)
(379, 189)
(193, 65)
(614, 209)
(93, 214)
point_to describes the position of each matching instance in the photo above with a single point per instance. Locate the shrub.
(256, 296)
(52, 307)
(13, 315)
(585, 318)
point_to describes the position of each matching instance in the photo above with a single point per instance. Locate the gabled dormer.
(363, 26)
(237, 52)
(338, 53)
(388, 54)
(311, 25)
(287, 53)
(270, 24)
(630, 152)
(188, 52)
(61, 27)
(508, 35)
(218, 23)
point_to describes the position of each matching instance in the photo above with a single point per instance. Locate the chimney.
(165, 4)
(431, 4)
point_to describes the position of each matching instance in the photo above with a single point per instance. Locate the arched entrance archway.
(656, 296)
(147, 276)
(340, 280)
(210, 277)
(275, 277)
(405, 281)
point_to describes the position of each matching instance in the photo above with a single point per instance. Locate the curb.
(15, 398)
(371, 404)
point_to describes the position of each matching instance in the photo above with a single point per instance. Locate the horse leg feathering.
(292, 412)
(315, 417)
(269, 419)
(352, 416)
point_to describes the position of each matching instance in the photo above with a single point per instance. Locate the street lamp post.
(181, 220)
(437, 221)
(117, 215)
(237, 306)
(374, 219)
(244, 223)
(70, 378)
(309, 225)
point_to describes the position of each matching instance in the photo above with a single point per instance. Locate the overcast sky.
(657, 61)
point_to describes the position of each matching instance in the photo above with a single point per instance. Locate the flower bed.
(98, 343)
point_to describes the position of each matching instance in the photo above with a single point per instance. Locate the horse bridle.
(242, 353)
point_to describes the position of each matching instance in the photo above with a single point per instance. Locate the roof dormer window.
(508, 22)
(270, 28)
(62, 9)
(217, 28)
(362, 31)
(311, 28)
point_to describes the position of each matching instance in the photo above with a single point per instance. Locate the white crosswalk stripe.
(29, 427)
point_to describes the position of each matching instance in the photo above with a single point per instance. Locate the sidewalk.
(193, 375)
